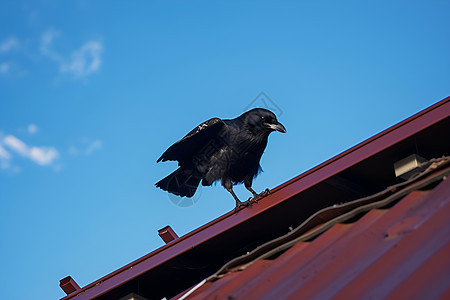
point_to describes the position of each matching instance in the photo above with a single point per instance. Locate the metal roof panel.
(399, 252)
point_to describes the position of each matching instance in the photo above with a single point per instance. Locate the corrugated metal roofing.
(402, 252)
(359, 172)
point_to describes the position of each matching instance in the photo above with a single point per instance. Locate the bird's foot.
(260, 195)
(265, 192)
(242, 203)
(250, 199)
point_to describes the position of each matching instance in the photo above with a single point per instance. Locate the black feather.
(226, 150)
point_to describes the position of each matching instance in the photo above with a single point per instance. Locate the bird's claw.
(249, 201)
(265, 193)
(252, 198)
(260, 195)
(242, 203)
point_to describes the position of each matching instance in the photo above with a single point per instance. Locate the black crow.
(226, 150)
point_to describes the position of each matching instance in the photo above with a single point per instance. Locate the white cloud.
(40, 155)
(95, 145)
(32, 128)
(16, 145)
(9, 44)
(4, 154)
(80, 62)
(84, 61)
(5, 159)
(43, 155)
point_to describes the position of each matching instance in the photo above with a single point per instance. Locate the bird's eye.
(263, 119)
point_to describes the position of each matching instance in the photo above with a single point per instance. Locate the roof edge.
(330, 167)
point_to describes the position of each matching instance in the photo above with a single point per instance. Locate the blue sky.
(92, 92)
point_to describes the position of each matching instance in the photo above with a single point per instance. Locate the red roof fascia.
(362, 151)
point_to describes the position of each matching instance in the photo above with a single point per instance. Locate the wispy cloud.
(7, 166)
(47, 39)
(32, 128)
(4, 67)
(11, 43)
(10, 49)
(4, 154)
(86, 147)
(46, 45)
(82, 62)
(13, 147)
(5, 159)
(95, 145)
(40, 155)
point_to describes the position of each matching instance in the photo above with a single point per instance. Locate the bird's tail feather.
(182, 182)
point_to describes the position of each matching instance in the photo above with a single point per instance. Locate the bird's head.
(262, 121)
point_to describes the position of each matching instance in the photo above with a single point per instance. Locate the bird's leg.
(255, 194)
(239, 203)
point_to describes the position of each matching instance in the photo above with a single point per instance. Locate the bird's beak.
(278, 127)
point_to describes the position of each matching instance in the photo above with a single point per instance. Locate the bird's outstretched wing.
(194, 141)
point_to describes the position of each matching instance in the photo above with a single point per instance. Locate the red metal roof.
(401, 252)
(361, 170)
